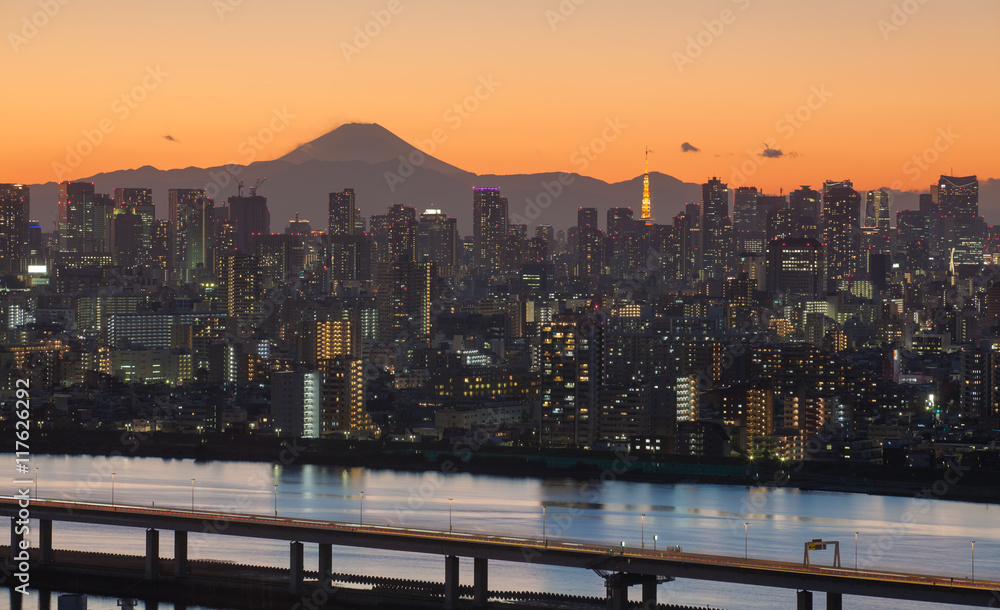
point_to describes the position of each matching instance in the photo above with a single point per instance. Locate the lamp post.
(449, 514)
(361, 516)
(855, 551)
(275, 499)
(746, 540)
(973, 560)
(192, 494)
(112, 489)
(642, 530)
(655, 538)
(543, 524)
(36, 483)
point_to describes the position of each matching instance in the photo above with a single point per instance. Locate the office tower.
(36, 245)
(437, 239)
(745, 209)
(805, 205)
(405, 291)
(402, 233)
(489, 231)
(586, 218)
(342, 213)
(546, 233)
(877, 211)
(240, 288)
(139, 200)
(619, 221)
(687, 228)
(590, 251)
(299, 227)
(716, 250)
(379, 230)
(795, 267)
(251, 217)
(160, 247)
(14, 209)
(841, 209)
(83, 219)
(647, 200)
(127, 238)
(296, 401)
(963, 229)
(767, 207)
(191, 216)
(570, 360)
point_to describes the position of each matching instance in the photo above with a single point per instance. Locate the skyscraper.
(805, 205)
(14, 202)
(437, 238)
(841, 210)
(83, 220)
(958, 200)
(191, 214)
(139, 200)
(745, 209)
(402, 233)
(489, 231)
(795, 266)
(342, 207)
(252, 218)
(716, 229)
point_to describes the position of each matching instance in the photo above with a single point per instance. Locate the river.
(894, 533)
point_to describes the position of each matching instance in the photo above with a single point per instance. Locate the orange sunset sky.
(892, 76)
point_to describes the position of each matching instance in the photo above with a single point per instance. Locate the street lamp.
(855, 551)
(275, 499)
(112, 489)
(746, 543)
(642, 530)
(655, 538)
(973, 560)
(36, 483)
(449, 514)
(192, 494)
(543, 524)
(361, 517)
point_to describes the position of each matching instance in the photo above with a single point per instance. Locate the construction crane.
(239, 183)
(253, 189)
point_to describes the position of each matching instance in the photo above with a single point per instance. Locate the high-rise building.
(489, 231)
(402, 233)
(191, 215)
(342, 213)
(619, 221)
(252, 218)
(745, 209)
(83, 219)
(14, 209)
(716, 227)
(841, 210)
(296, 401)
(570, 362)
(958, 200)
(343, 398)
(795, 266)
(586, 218)
(805, 204)
(437, 239)
(139, 200)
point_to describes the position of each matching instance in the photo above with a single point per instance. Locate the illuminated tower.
(647, 202)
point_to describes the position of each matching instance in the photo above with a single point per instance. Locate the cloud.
(688, 147)
(170, 137)
(771, 153)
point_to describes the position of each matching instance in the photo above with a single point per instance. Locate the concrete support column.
(152, 554)
(15, 600)
(480, 583)
(834, 601)
(450, 582)
(44, 599)
(180, 553)
(15, 538)
(45, 540)
(649, 593)
(296, 570)
(325, 563)
(805, 600)
(617, 596)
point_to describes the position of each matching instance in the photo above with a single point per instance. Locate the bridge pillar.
(296, 571)
(45, 540)
(834, 601)
(325, 563)
(649, 592)
(805, 600)
(180, 553)
(15, 539)
(617, 596)
(480, 583)
(44, 599)
(15, 600)
(152, 554)
(450, 582)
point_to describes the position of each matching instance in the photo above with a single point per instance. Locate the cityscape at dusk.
(433, 304)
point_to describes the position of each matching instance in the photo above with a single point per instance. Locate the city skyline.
(713, 85)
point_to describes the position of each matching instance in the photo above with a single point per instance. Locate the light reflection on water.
(699, 518)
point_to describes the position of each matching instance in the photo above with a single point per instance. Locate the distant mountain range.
(384, 170)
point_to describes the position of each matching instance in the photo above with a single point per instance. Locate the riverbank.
(955, 484)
